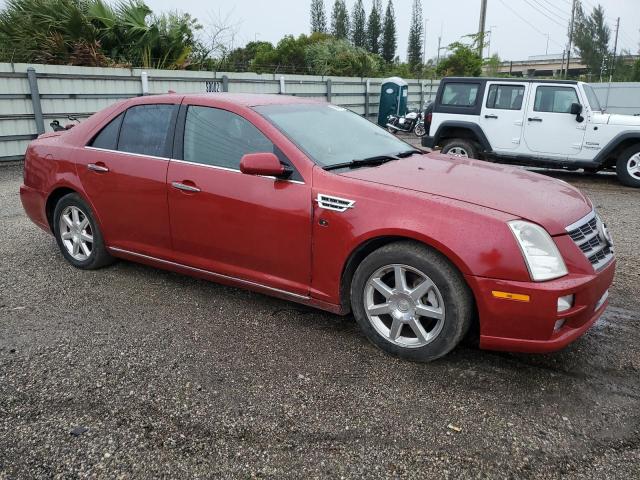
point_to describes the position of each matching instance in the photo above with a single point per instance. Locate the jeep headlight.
(539, 250)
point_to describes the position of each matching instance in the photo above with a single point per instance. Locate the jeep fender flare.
(617, 141)
(474, 128)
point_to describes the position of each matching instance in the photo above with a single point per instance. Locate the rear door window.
(460, 94)
(146, 130)
(505, 97)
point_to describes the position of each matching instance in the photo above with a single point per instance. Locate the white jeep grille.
(590, 235)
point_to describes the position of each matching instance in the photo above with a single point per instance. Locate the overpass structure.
(547, 66)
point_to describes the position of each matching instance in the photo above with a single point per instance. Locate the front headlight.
(539, 250)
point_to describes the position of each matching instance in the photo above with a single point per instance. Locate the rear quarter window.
(108, 136)
(460, 94)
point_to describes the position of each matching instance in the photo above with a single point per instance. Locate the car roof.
(243, 99)
(498, 79)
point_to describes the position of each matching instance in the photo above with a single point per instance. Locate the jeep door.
(550, 128)
(502, 114)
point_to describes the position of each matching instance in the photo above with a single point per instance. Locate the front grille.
(589, 235)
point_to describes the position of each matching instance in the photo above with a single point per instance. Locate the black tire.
(98, 257)
(622, 170)
(420, 131)
(462, 144)
(455, 293)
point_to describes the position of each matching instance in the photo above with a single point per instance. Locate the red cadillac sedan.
(312, 203)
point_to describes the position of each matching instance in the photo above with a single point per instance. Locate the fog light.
(565, 303)
(559, 324)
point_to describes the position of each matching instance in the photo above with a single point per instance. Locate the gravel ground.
(135, 372)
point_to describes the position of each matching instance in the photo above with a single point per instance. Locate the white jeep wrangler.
(546, 123)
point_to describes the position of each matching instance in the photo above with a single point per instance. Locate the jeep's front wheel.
(460, 148)
(628, 167)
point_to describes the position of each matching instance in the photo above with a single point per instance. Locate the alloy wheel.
(76, 233)
(404, 305)
(458, 152)
(633, 166)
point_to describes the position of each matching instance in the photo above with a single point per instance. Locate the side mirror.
(576, 109)
(261, 164)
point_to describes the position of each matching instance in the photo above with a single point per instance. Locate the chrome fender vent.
(336, 204)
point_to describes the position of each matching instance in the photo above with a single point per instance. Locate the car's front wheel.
(78, 235)
(628, 167)
(411, 301)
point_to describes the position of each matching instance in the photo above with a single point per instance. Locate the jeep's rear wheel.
(460, 148)
(411, 302)
(628, 167)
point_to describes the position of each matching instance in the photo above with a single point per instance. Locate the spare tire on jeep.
(460, 147)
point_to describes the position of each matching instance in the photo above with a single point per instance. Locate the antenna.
(615, 49)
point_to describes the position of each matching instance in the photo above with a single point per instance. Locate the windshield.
(594, 103)
(332, 135)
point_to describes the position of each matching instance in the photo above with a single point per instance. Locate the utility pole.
(481, 27)
(438, 54)
(573, 16)
(546, 51)
(491, 27)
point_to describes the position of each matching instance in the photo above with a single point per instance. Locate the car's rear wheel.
(78, 235)
(411, 301)
(460, 148)
(628, 167)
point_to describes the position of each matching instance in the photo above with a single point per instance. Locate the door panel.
(251, 227)
(549, 127)
(130, 200)
(245, 226)
(502, 115)
(124, 175)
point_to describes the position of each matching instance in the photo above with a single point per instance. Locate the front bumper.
(519, 326)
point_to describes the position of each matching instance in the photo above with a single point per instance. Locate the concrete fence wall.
(32, 96)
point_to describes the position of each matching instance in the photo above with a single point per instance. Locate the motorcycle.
(56, 127)
(411, 122)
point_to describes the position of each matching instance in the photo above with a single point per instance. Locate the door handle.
(491, 116)
(534, 119)
(184, 187)
(97, 168)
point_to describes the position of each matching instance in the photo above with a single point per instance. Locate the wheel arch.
(53, 199)
(466, 130)
(608, 156)
(374, 242)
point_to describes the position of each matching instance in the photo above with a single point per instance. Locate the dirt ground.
(135, 372)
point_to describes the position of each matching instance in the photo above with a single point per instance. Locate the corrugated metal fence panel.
(82, 91)
(624, 97)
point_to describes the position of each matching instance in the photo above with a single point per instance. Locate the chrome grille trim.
(586, 234)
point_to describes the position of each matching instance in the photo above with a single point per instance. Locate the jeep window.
(592, 98)
(555, 99)
(460, 94)
(332, 135)
(505, 97)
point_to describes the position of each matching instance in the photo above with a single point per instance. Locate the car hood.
(552, 203)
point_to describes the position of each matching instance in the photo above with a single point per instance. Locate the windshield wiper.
(361, 162)
(408, 153)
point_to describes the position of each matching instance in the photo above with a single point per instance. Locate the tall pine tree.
(389, 40)
(358, 25)
(318, 17)
(340, 20)
(374, 27)
(414, 48)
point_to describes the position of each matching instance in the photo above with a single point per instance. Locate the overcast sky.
(519, 27)
(513, 37)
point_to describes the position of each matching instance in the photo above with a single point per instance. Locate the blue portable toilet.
(393, 99)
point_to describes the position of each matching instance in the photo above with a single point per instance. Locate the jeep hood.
(627, 120)
(552, 203)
